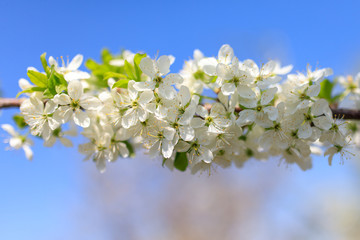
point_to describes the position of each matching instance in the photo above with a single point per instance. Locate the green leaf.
(122, 83)
(108, 75)
(326, 90)
(91, 64)
(60, 88)
(44, 63)
(181, 161)
(106, 55)
(137, 60)
(37, 78)
(129, 70)
(213, 79)
(130, 148)
(20, 121)
(31, 90)
(138, 57)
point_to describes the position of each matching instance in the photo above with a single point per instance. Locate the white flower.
(225, 56)
(134, 105)
(216, 121)
(319, 115)
(73, 104)
(18, 141)
(156, 69)
(125, 55)
(262, 114)
(266, 75)
(197, 150)
(345, 150)
(99, 146)
(161, 139)
(40, 118)
(70, 69)
(58, 134)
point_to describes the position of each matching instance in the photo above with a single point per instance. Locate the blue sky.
(38, 199)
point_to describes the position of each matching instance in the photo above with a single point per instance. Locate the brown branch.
(10, 102)
(342, 113)
(337, 112)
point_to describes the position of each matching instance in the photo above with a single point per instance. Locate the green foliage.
(327, 88)
(20, 121)
(50, 83)
(181, 161)
(103, 71)
(130, 148)
(37, 78)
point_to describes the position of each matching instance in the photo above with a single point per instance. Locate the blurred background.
(58, 196)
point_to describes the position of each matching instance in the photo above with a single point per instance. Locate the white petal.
(167, 92)
(167, 148)
(90, 102)
(66, 142)
(62, 99)
(75, 62)
(75, 89)
(313, 90)
(163, 64)
(268, 96)
(77, 75)
(173, 78)
(226, 54)
(146, 97)
(184, 94)
(323, 122)
(224, 71)
(246, 92)
(129, 119)
(320, 107)
(142, 86)
(246, 117)
(169, 133)
(81, 119)
(50, 107)
(147, 66)
(53, 124)
(228, 88)
(268, 68)
(28, 152)
(206, 155)
(305, 131)
(9, 129)
(201, 111)
(272, 112)
(187, 133)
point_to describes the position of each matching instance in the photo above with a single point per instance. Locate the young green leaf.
(108, 75)
(19, 121)
(326, 90)
(137, 60)
(181, 161)
(31, 90)
(44, 63)
(37, 78)
(122, 83)
(129, 70)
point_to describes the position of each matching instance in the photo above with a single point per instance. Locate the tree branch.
(348, 114)
(10, 102)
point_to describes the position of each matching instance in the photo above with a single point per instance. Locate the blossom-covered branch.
(131, 100)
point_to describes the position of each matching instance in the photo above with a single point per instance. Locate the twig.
(348, 114)
(342, 113)
(10, 102)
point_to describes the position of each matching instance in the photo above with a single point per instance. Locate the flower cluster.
(132, 100)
